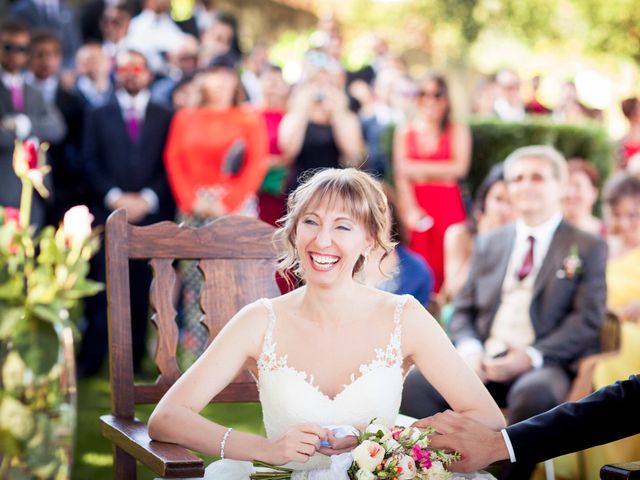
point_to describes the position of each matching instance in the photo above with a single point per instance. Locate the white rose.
(374, 428)
(77, 224)
(368, 455)
(364, 475)
(408, 466)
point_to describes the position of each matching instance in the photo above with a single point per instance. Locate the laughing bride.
(332, 352)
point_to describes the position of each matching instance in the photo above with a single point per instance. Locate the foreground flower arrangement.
(396, 453)
(43, 276)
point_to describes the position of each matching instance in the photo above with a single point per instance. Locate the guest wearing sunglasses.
(23, 113)
(122, 154)
(430, 154)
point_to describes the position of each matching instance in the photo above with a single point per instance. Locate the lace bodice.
(290, 397)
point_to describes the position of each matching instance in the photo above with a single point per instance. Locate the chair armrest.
(164, 459)
(621, 471)
(582, 385)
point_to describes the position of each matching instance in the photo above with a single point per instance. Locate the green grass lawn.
(93, 458)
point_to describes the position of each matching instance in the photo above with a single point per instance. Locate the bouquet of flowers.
(396, 453)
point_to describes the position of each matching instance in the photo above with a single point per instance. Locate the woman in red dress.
(431, 154)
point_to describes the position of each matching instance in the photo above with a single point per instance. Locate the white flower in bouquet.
(391, 445)
(408, 466)
(76, 224)
(368, 455)
(436, 472)
(364, 475)
(377, 430)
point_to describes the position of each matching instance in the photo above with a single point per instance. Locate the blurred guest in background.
(92, 82)
(402, 271)
(621, 195)
(630, 144)
(508, 104)
(319, 131)
(23, 113)
(253, 66)
(69, 188)
(271, 196)
(219, 38)
(114, 26)
(581, 196)
(216, 158)
(182, 62)
(122, 155)
(491, 209)
(533, 106)
(55, 15)
(430, 155)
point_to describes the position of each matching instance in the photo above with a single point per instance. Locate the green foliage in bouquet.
(43, 275)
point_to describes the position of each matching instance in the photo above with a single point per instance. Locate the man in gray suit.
(533, 303)
(23, 113)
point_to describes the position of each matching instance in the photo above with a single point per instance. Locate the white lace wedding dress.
(289, 398)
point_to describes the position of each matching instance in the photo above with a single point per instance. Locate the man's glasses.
(15, 48)
(130, 70)
(533, 178)
(435, 95)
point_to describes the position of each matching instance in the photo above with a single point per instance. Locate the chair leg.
(124, 465)
(549, 471)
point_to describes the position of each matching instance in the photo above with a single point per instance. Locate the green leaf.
(49, 313)
(13, 373)
(12, 288)
(9, 319)
(37, 344)
(16, 419)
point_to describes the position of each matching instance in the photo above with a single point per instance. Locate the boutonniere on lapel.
(571, 265)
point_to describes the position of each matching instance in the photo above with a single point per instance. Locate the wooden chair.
(237, 258)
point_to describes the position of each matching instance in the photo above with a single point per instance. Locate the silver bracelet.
(224, 441)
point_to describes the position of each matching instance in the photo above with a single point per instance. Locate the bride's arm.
(426, 344)
(177, 419)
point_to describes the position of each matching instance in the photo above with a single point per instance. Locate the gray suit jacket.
(47, 125)
(566, 312)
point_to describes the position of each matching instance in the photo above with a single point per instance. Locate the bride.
(332, 352)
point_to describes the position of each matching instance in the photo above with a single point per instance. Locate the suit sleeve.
(159, 183)
(579, 332)
(604, 416)
(462, 323)
(47, 122)
(97, 177)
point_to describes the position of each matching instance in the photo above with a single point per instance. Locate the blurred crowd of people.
(170, 120)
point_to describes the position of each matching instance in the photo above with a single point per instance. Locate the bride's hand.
(297, 445)
(339, 445)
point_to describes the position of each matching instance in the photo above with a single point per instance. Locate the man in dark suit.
(533, 303)
(609, 414)
(23, 113)
(69, 188)
(124, 168)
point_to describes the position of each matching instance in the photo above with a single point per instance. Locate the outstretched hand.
(477, 444)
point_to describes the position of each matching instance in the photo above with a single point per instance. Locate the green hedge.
(494, 139)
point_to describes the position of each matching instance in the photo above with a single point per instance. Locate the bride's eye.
(309, 221)
(344, 227)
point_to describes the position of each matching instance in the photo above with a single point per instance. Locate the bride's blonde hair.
(362, 197)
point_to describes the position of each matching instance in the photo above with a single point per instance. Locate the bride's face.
(329, 242)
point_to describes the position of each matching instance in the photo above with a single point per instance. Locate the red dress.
(442, 200)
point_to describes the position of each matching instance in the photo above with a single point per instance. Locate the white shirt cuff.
(151, 198)
(468, 346)
(23, 126)
(537, 360)
(507, 441)
(112, 195)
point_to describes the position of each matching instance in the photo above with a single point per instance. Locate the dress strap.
(268, 354)
(397, 316)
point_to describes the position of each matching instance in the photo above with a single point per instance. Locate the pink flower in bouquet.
(395, 434)
(11, 215)
(368, 455)
(77, 224)
(421, 456)
(31, 153)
